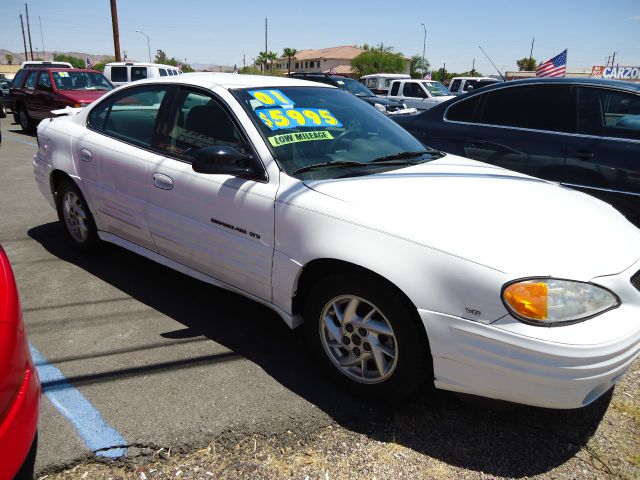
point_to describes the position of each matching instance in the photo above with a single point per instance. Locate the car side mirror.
(225, 160)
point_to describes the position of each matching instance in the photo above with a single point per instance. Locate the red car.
(19, 384)
(36, 91)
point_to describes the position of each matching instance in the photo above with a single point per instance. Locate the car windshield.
(355, 87)
(81, 81)
(436, 89)
(325, 128)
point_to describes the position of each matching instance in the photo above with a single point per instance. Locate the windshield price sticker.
(287, 138)
(272, 98)
(63, 74)
(281, 118)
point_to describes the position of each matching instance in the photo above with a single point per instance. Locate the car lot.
(171, 362)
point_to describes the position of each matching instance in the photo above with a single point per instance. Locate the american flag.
(556, 67)
(89, 64)
(427, 76)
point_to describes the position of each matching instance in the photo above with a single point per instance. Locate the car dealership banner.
(617, 72)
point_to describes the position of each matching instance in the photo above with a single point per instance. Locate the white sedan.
(405, 264)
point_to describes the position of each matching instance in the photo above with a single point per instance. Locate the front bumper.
(561, 367)
(18, 427)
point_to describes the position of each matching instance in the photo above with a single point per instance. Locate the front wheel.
(74, 214)
(367, 336)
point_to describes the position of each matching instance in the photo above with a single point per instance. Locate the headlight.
(548, 301)
(380, 107)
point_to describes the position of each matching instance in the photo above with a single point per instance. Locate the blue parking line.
(98, 436)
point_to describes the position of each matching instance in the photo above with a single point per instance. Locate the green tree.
(163, 58)
(290, 53)
(261, 60)
(416, 68)
(526, 64)
(377, 61)
(100, 65)
(270, 58)
(75, 61)
(9, 58)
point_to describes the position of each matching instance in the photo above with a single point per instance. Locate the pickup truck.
(419, 94)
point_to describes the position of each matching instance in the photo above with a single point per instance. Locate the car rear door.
(220, 225)
(603, 159)
(42, 101)
(522, 128)
(114, 157)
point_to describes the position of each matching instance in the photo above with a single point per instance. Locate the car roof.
(232, 81)
(139, 64)
(598, 82)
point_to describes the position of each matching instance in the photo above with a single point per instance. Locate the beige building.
(336, 60)
(9, 71)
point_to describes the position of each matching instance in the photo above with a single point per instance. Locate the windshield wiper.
(406, 155)
(334, 163)
(388, 160)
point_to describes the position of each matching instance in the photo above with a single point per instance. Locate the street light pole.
(424, 42)
(148, 44)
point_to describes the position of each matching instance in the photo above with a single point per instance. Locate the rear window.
(19, 79)
(455, 85)
(119, 74)
(463, 111)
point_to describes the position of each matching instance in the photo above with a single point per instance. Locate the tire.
(76, 218)
(16, 117)
(25, 120)
(367, 337)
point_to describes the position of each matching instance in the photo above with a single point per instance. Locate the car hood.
(82, 96)
(380, 100)
(505, 220)
(443, 98)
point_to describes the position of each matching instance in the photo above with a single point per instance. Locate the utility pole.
(424, 43)
(265, 36)
(29, 30)
(244, 65)
(531, 52)
(473, 68)
(24, 39)
(613, 60)
(44, 52)
(116, 33)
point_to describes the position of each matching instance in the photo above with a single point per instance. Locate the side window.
(395, 86)
(198, 121)
(44, 80)
(119, 74)
(138, 73)
(463, 111)
(129, 116)
(534, 107)
(163, 72)
(608, 113)
(18, 79)
(469, 85)
(31, 80)
(455, 85)
(371, 82)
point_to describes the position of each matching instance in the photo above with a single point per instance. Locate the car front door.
(220, 225)
(522, 128)
(114, 157)
(604, 158)
(414, 96)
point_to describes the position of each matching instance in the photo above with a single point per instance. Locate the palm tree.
(270, 57)
(290, 53)
(262, 60)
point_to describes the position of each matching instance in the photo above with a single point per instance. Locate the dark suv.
(583, 133)
(354, 87)
(37, 91)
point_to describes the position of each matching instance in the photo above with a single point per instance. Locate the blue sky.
(222, 32)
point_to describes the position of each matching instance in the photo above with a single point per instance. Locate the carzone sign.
(620, 73)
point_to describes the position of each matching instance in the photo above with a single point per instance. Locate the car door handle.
(85, 155)
(582, 155)
(162, 181)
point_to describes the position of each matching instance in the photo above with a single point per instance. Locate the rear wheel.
(74, 214)
(25, 120)
(367, 336)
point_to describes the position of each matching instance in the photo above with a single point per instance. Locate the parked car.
(19, 384)
(419, 94)
(5, 103)
(461, 85)
(120, 73)
(404, 264)
(380, 83)
(385, 105)
(37, 91)
(45, 64)
(584, 133)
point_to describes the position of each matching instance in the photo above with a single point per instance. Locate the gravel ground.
(430, 436)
